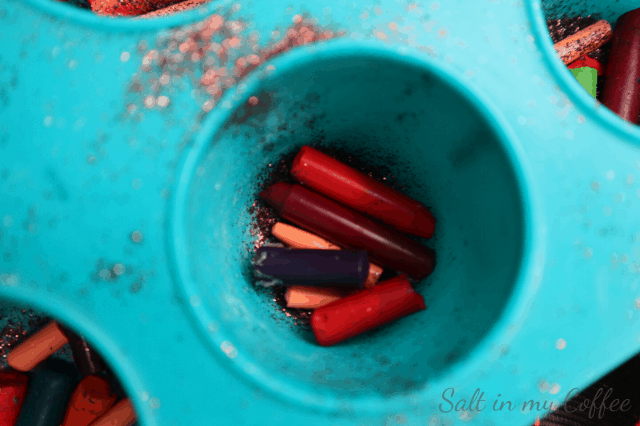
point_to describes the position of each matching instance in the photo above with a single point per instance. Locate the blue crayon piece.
(320, 268)
(48, 394)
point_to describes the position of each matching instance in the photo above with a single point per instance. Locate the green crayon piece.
(587, 77)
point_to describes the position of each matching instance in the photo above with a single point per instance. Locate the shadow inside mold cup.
(389, 111)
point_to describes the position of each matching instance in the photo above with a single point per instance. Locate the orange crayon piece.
(584, 41)
(37, 348)
(303, 297)
(297, 238)
(121, 414)
(90, 400)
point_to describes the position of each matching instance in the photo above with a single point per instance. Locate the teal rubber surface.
(126, 182)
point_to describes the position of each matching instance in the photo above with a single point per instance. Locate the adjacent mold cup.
(443, 141)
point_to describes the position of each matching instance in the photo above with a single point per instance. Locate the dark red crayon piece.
(621, 91)
(348, 186)
(365, 310)
(13, 387)
(311, 267)
(350, 230)
(128, 7)
(588, 62)
(91, 399)
(87, 360)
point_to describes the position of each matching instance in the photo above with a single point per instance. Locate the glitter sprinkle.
(136, 236)
(124, 57)
(561, 344)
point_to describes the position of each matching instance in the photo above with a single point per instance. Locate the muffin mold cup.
(110, 210)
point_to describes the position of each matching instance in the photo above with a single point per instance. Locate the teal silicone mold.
(532, 184)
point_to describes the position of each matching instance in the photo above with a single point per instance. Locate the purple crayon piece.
(320, 268)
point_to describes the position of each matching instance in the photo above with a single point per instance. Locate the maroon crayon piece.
(354, 189)
(365, 310)
(621, 92)
(87, 360)
(350, 230)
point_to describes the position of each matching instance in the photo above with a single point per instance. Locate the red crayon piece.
(91, 399)
(621, 91)
(128, 7)
(365, 310)
(350, 230)
(13, 386)
(362, 193)
(587, 62)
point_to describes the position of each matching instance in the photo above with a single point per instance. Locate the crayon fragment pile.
(41, 391)
(605, 62)
(352, 227)
(142, 8)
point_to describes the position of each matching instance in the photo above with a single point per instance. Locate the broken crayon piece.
(362, 193)
(90, 400)
(13, 387)
(365, 310)
(121, 414)
(349, 229)
(297, 238)
(302, 297)
(621, 90)
(38, 347)
(587, 77)
(50, 388)
(587, 61)
(584, 41)
(87, 360)
(310, 267)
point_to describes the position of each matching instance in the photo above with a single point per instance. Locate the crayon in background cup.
(38, 347)
(13, 387)
(121, 414)
(584, 41)
(621, 91)
(90, 400)
(303, 297)
(48, 394)
(588, 78)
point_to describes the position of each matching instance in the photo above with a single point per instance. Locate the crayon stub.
(302, 297)
(121, 414)
(49, 391)
(282, 266)
(362, 193)
(587, 61)
(584, 41)
(13, 387)
(621, 90)
(91, 399)
(297, 238)
(37, 347)
(87, 360)
(365, 310)
(587, 77)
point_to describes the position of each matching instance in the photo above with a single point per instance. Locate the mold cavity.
(398, 119)
(52, 374)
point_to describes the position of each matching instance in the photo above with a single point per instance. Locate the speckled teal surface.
(127, 216)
